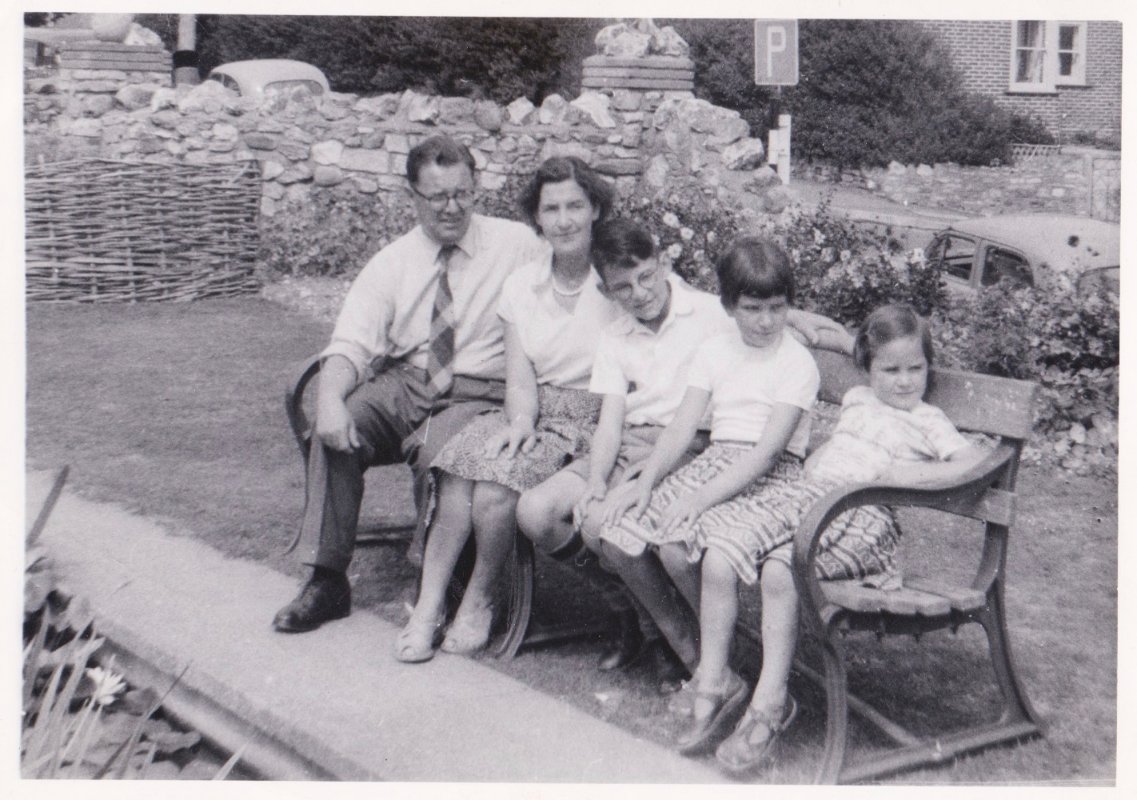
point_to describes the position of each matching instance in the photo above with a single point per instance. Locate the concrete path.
(328, 704)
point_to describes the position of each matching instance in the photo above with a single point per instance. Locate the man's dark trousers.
(398, 421)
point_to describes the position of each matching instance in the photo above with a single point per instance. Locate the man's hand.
(818, 330)
(517, 438)
(334, 426)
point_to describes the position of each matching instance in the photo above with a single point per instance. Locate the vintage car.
(983, 251)
(261, 77)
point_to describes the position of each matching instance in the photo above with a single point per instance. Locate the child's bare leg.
(717, 614)
(683, 573)
(646, 579)
(544, 513)
(779, 637)
(449, 531)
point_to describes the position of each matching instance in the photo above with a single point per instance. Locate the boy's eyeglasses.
(463, 198)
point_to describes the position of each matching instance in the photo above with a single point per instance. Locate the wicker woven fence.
(101, 231)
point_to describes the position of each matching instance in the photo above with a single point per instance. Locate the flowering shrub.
(1066, 340)
(335, 231)
(690, 229)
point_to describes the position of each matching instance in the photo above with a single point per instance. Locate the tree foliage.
(870, 92)
(498, 58)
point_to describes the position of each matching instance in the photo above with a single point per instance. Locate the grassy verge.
(175, 411)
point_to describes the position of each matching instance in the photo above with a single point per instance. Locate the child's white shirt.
(745, 382)
(649, 369)
(560, 344)
(871, 435)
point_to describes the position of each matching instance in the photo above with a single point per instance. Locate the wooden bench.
(1000, 408)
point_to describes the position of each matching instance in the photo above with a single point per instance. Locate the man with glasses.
(417, 351)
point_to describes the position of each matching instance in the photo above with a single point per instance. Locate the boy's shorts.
(636, 444)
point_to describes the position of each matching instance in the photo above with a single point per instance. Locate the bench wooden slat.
(855, 597)
(962, 598)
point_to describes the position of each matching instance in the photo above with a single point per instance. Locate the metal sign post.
(776, 64)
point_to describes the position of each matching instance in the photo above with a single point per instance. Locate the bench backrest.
(973, 402)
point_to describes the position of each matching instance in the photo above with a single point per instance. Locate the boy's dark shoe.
(326, 596)
(627, 643)
(670, 671)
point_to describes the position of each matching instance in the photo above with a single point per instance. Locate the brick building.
(1066, 74)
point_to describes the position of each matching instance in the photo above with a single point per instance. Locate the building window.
(1045, 55)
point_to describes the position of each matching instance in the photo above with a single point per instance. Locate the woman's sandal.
(705, 732)
(417, 640)
(469, 633)
(739, 754)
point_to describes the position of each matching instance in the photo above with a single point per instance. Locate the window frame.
(1049, 53)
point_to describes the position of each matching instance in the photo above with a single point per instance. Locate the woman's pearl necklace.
(569, 292)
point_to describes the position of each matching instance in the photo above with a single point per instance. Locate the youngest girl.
(886, 432)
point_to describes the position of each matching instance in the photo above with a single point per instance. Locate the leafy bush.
(871, 91)
(498, 58)
(330, 232)
(690, 228)
(335, 231)
(1068, 341)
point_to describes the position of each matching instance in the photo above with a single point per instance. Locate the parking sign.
(775, 52)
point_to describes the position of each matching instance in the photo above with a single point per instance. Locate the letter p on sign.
(775, 52)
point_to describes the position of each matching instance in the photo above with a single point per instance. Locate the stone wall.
(301, 142)
(1077, 180)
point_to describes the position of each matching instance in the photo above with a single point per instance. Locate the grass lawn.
(175, 411)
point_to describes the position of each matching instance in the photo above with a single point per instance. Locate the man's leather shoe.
(322, 599)
(627, 643)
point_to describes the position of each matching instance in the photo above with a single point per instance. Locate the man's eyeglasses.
(463, 197)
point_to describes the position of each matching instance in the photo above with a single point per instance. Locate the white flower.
(107, 685)
(670, 220)
(845, 255)
(711, 236)
(674, 251)
(686, 234)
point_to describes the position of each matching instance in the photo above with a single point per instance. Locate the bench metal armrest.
(965, 494)
(298, 381)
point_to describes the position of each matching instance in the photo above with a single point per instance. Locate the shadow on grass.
(176, 411)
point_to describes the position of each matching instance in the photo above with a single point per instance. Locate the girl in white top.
(552, 313)
(760, 384)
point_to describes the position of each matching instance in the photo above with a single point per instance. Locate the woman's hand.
(594, 493)
(517, 437)
(682, 513)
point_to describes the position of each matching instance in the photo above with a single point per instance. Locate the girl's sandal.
(469, 633)
(417, 640)
(706, 731)
(739, 754)
(682, 703)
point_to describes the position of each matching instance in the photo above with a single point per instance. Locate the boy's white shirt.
(650, 368)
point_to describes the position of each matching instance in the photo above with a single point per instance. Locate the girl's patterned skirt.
(564, 430)
(763, 517)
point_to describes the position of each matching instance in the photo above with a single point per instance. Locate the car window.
(953, 254)
(227, 82)
(1005, 266)
(286, 86)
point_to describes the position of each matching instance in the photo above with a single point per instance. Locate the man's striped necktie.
(440, 358)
